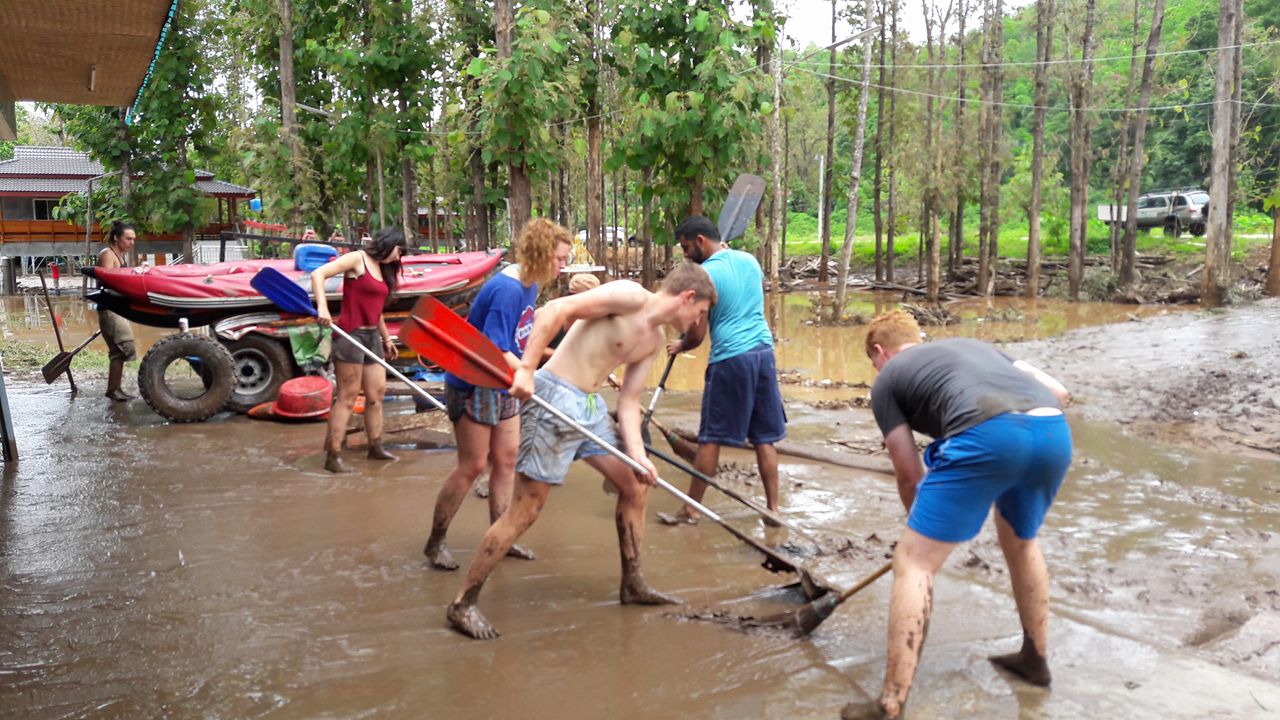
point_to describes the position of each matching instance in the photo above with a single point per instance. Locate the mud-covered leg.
(1030, 578)
(633, 496)
(767, 461)
(915, 563)
(463, 615)
(705, 462)
(348, 376)
(503, 445)
(473, 452)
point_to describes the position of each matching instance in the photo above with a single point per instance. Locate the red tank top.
(362, 300)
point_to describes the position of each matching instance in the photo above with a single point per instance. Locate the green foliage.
(693, 102)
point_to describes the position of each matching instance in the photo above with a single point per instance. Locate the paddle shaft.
(382, 361)
(863, 583)
(657, 392)
(681, 465)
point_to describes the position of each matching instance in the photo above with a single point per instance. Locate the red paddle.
(435, 331)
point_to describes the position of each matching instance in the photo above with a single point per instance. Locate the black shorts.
(346, 351)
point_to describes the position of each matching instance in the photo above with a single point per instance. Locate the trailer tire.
(207, 356)
(260, 365)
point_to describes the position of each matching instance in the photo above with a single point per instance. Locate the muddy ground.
(1210, 379)
(150, 569)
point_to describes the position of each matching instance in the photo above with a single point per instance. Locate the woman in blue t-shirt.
(486, 423)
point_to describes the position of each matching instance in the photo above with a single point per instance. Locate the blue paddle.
(292, 298)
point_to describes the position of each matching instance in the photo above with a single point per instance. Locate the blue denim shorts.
(548, 446)
(741, 401)
(1013, 460)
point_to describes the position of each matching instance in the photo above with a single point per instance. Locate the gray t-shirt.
(947, 386)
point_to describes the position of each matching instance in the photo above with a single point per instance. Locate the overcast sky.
(809, 21)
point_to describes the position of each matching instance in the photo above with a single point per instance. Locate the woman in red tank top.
(369, 278)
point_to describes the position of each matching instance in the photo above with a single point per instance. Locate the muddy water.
(26, 318)
(823, 352)
(214, 570)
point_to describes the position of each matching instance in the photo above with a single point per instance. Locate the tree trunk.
(877, 210)
(779, 166)
(1080, 155)
(933, 142)
(520, 188)
(646, 237)
(985, 150)
(955, 247)
(1120, 169)
(1137, 161)
(825, 210)
(382, 189)
(408, 180)
(1044, 49)
(1224, 250)
(891, 168)
(855, 172)
(997, 135)
(1273, 270)
(288, 99)
(786, 182)
(1218, 227)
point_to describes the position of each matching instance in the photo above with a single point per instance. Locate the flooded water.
(214, 569)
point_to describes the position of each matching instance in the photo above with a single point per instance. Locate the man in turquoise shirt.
(740, 399)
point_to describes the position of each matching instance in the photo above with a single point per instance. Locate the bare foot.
(440, 557)
(680, 517)
(334, 464)
(119, 395)
(770, 522)
(521, 552)
(1029, 666)
(468, 620)
(637, 592)
(481, 488)
(865, 711)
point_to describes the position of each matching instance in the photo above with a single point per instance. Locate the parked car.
(1172, 210)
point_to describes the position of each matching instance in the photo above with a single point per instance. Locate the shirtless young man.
(619, 323)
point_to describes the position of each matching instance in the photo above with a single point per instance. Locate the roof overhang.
(82, 52)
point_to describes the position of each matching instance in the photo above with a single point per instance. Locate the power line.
(1024, 106)
(1024, 63)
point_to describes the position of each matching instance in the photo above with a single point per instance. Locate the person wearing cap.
(1000, 438)
(741, 401)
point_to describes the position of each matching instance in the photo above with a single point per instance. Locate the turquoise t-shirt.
(737, 320)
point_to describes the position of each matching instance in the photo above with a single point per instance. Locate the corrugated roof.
(39, 160)
(60, 162)
(53, 186)
(221, 188)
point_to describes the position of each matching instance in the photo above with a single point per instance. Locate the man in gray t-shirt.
(1000, 439)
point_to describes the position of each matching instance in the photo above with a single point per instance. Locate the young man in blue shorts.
(1000, 438)
(740, 398)
(618, 323)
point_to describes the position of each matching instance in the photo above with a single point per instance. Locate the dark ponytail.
(117, 231)
(384, 242)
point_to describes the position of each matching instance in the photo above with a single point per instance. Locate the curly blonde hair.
(536, 250)
(891, 331)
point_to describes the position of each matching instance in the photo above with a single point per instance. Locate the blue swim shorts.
(548, 446)
(1014, 460)
(741, 401)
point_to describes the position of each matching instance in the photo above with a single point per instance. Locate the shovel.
(62, 361)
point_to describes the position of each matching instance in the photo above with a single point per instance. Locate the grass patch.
(26, 356)
(802, 239)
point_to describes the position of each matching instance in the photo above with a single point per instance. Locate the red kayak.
(203, 294)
